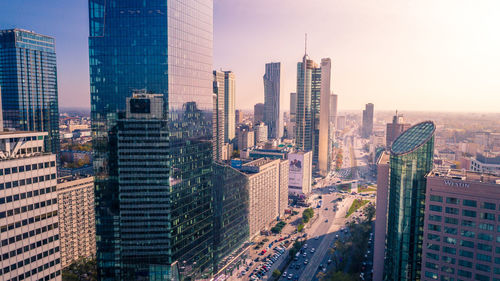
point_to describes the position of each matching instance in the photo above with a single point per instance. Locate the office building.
(292, 124)
(300, 173)
(333, 108)
(383, 168)
(341, 123)
(28, 82)
(272, 94)
(310, 87)
(231, 211)
(229, 106)
(485, 163)
(273, 152)
(266, 192)
(410, 161)
(218, 118)
(258, 113)
(260, 132)
(396, 128)
(29, 226)
(324, 140)
(246, 137)
(461, 228)
(238, 116)
(75, 197)
(167, 52)
(367, 126)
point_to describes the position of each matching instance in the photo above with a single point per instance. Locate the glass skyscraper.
(28, 84)
(272, 93)
(163, 47)
(410, 161)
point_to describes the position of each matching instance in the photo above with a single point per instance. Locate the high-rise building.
(341, 122)
(238, 116)
(292, 124)
(396, 128)
(29, 225)
(333, 108)
(260, 132)
(218, 118)
(410, 161)
(229, 106)
(367, 126)
(324, 141)
(461, 226)
(75, 197)
(266, 192)
(300, 173)
(272, 92)
(258, 113)
(28, 80)
(167, 50)
(383, 168)
(231, 200)
(246, 137)
(310, 87)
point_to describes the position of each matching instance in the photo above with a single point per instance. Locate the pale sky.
(439, 55)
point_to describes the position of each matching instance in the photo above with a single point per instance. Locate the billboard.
(296, 170)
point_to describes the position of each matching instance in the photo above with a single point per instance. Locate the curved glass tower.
(411, 160)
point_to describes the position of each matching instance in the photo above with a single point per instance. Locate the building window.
(487, 216)
(436, 198)
(451, 200)
(470, 203)
(435, 208)
(469, 213)
(467, 254)
(450, 210)
(465, 263)
(435, 218)
(467, 233)
(450, 220)
(434, 227)
(489, 206)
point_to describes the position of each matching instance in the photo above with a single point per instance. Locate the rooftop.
(466, 176)
(413, 138)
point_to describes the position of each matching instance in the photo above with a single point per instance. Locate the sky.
(435, 55)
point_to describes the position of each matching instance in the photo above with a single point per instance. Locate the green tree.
(300, 227)
(370, 212)
(81, 270)
(341, 276)
(276, 273)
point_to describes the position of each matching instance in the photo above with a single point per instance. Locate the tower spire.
(305, 45)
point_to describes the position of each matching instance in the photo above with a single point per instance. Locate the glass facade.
(28, 84)
(164, 47)
(411, 160)
(272, 92)
(231, 197)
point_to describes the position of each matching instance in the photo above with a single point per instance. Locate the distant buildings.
(272, 94)
(396, 128)
(260, 131)
(75, 197)
(300, 173)
(246, 137)
(258, 113)
(313, 87)
(367, 126)
(410, 161)
(292, 124)
(29, 223)
(268, 191)
(28, 84)
(218, 118)
(460, 239)
(238, 116)
(229, 106)
(485, 163)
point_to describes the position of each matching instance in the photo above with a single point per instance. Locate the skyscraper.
(28, 82)
(167, 50)
(272, 92)
(324, 141)
(292, 124)
(410, 161)
(229, 107)
(310, 87)
(367, 126)
(333, 108)
(258, 113)
(218, 119)
(260, 133)
(396, 128)
(238, 116)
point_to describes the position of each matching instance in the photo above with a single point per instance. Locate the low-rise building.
(300, 173)
(486, 164)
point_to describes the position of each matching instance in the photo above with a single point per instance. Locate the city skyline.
(440, 54)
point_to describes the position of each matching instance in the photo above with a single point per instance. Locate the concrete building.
(260, 132)
(267, 186)
(333, 108)
(272, 95)
(246, 137)
(341, 123)
(229, 106)
(258, 113)
(218, 117)
(291, 126)
(300, 173)
(238, 116)
(367, 126)
(29, 223)
(396, 128)
(324, 140)
(485, 163)
(383, 167)
(461, 228)
(75, 197)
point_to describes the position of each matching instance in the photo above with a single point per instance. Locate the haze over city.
(410, 55)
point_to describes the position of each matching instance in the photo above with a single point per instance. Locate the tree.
(81, 270)
(341, 276)
(300, 227)
(307, 214)
(370, 212)
(276, 273)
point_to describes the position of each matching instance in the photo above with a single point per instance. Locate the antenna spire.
(305, 44)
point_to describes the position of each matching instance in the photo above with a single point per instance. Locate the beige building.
(268, 191)
(75, 195)
(300, 173)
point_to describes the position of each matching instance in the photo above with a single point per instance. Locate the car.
(326, 209)
(313, 250)
(290, 276)
(306, 261)
(316, 238)
(304, 255)
(297, 266)
(284, 274)
(329, 261)
(326, 220)
(243, 273)
(336, 236)
(305, 246)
